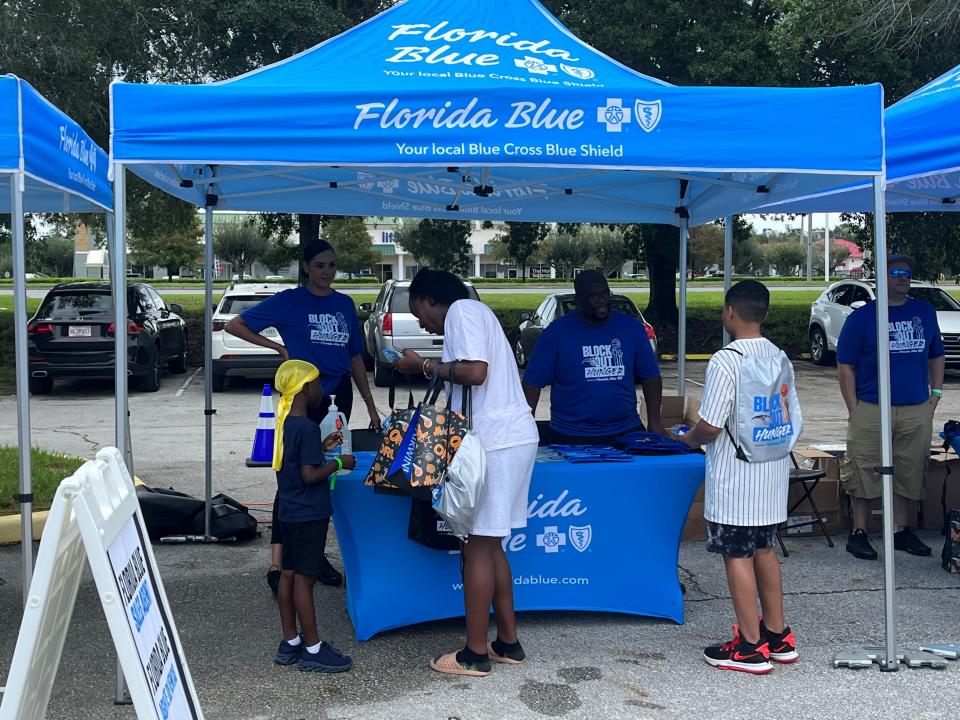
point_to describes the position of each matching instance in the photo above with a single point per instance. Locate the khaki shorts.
(912, 433)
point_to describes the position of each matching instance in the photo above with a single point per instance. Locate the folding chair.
(808, 479)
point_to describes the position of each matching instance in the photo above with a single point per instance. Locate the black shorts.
(303, 546)
(739, 541)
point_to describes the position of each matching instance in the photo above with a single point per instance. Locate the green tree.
(350, 239)
(239, 243)
(522, 241)
(606, 246)
(162, 230)
(565, 252)
(439, 244)
(705, 246)
(787, 257)
(55, 256)
(279, 255)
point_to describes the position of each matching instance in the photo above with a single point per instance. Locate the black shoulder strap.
(392, 393)
(726, 425)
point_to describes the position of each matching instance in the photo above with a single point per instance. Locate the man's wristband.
(937, 393)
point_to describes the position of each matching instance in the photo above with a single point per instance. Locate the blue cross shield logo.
(580, 536)
(647, 113)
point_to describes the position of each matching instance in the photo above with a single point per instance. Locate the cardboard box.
(830, 518)
(821, 457)
(826, 495)
(676, 410)
(696, 527)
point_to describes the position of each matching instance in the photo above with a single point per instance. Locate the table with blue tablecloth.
(600, 537)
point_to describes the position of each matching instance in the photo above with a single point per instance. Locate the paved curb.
(10, 527)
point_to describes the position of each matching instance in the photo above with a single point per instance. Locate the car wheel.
(178, 366)
(367, 359)
(218, 382)
(381, 373)
(519, 354)
(40, 385)
(151, 381)
(818, 347)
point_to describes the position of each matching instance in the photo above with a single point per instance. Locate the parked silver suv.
(829, 311)
(391, 324)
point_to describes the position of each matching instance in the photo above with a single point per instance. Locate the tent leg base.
(864, 657)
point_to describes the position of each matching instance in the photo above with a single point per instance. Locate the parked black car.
(72, 336)
(558, 305)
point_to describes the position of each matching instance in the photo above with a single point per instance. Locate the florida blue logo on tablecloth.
(552, 538)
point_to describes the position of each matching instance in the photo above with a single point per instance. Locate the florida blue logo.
(648, 113)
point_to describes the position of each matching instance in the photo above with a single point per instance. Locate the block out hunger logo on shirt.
(906, 336)
(603, 362)
(328, 329)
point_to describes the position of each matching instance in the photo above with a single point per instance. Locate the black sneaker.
(288, 654)
(329, 574)
(908, 542)
(782, 646)
(858, 545)
(327, 659)
(740, 655)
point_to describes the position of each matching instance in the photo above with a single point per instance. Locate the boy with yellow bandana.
(303, 481)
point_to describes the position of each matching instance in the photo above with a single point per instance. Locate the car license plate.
(269, 332)
(79, 331)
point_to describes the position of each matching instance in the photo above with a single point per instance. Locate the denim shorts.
(739, 541)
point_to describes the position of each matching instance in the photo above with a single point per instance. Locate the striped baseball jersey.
(738, 492)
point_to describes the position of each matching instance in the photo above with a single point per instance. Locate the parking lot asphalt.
(582, 665)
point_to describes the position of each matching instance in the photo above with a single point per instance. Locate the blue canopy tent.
(467, 109)
(922, 137)
(47, 164)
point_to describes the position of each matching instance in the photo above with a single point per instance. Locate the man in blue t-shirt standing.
(917, 363)
(593, 359)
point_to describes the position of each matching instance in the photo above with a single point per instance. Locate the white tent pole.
(809, 219)
(890, 662)
(826, 249)
(116, 243)
(682, 326)
(118, 286)
(208, 367)
(23, 383)
(727, 263)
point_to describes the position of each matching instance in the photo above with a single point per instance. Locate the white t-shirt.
(501, 416)
(738, 492)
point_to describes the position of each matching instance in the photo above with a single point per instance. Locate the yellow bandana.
(292, 375)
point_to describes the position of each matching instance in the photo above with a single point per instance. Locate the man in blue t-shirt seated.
(916, 367)
(593, 359)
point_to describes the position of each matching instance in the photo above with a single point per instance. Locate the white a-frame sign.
(96, 516)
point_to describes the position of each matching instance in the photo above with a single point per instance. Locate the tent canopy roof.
(64, 170)
(923, 157)
(489, 110)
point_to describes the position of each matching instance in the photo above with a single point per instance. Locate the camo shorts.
(739, 541)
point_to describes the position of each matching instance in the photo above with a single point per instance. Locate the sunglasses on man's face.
(901, 273)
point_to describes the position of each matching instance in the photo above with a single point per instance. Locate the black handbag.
(428, 528)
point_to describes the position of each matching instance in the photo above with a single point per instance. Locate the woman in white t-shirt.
(477, 352)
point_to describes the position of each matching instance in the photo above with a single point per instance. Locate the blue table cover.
(600, 537)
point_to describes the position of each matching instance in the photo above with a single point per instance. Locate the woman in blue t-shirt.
(318, 325)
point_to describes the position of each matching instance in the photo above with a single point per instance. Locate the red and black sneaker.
(738, 654)
(783, 646)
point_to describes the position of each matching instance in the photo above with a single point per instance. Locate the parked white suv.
(233, 356)
(829, 311)
(391, 324)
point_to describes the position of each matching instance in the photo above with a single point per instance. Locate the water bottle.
(392, 354)
(335, 421)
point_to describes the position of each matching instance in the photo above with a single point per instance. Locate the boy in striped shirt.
(744, 501)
